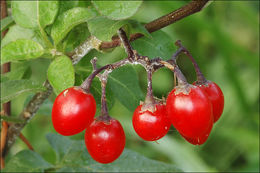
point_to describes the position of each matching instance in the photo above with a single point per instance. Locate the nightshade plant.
(64, 32)
(189, 107)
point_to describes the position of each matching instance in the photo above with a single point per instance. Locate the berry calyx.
(190, 110)
(199, 140)
(216, 97)
(105, 139)
(73, 110)
(151, 122)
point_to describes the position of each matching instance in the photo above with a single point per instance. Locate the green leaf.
(27, 161)
(160, 45)
(104, 28)
(28, 73)
(117, 10)
(11, 119)
(16, 32)
(66, 5)
(125, 86)
(69, 19)
(46, 108)
(16, 73)
(14, 88)
(60, 144)
(184, 155)
(137, 27)
(25, 13)
(138, 162)
(73, 157)
(34, 14)
(21, 50)
(61, 74)
(75, 37)
(6, 22)
(47, 12)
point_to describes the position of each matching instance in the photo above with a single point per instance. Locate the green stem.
(45, 38)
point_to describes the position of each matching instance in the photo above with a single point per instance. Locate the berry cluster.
(74, 110)
(191, 109)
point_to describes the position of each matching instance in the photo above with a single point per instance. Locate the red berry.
(73, 110)
(151, 124)
(199, 140)
(216, 97)
(190, 110)
(105, 140)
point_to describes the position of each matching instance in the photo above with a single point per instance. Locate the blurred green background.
(224, 39)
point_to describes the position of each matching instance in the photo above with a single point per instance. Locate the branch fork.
(133, 57)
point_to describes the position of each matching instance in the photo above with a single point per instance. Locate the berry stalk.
(174, 67)
(87, 83)
(200, 77)
(149, 96)
(104, 109)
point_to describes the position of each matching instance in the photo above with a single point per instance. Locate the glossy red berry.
(190, 110)
(73, 110)
(199, 140)
(216, 97)
(151, 122)
(105, 140)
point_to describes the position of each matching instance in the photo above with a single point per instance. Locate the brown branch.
(189, 9)
(3, 141)
(27, 114)
(128, 48)
(32, 107)
(23, 138)
(6, 66)
(6, 106)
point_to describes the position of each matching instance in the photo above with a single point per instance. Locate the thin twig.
(23, 138)
(125, 41)
(189, 9)
(103, 80)
(87, 83)
(200, 77)
(3, 141)
(174, 67)
(177, 53)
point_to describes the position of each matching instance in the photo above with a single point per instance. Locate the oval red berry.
(73, 110)
(105, 141)
(190, 112)
(199, 140)
(216, 97)
(151, 125)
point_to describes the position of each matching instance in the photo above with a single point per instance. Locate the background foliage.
(224, 39)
